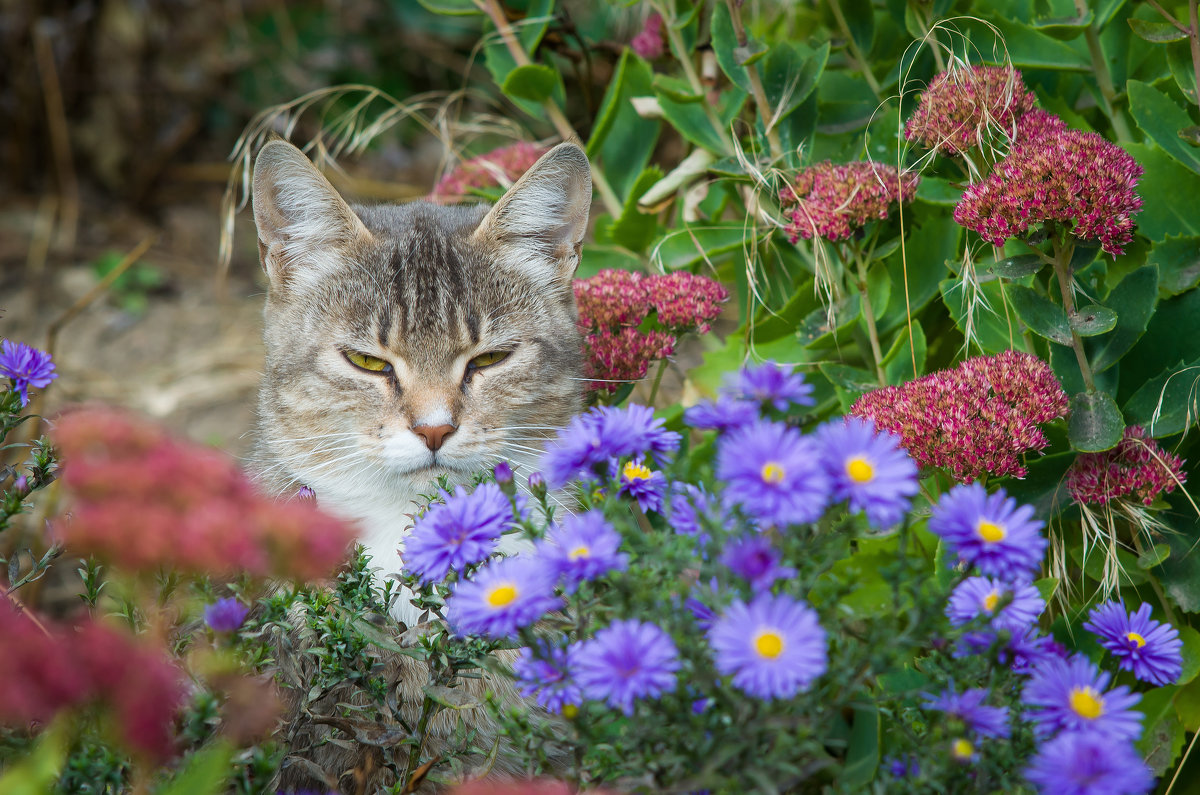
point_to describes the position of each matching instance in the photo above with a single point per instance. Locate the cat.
(404, 342)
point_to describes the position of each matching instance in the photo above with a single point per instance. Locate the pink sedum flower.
(144, 500)
(1055, 175)
(1137, 467)
(830, 201)
(612, 298)
(684, 301)
(649, 42)
(624, 355)
(977, 419)
(485, 171)
(961, 106)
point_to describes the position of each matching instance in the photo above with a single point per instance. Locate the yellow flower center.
(772, 472)
(1136, 638)
(502, 595)
(578, 552)
(570, 711)
(768, 644)
(990, 531)
(1086, 703)
(859, 470)
(962, 749)
(635, 471)
(991, 600)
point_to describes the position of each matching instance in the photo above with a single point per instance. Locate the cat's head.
(407, 341)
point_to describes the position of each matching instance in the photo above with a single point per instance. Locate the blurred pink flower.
(1060, 176)
(961, 105)
(649, 43)
(143, 500)
(624, 355)
(977, 419)
(829, 201)
(483, 171)
(1136, 467)
(42, 674)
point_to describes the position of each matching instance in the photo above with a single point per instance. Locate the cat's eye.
(487, 359)
(371, 364)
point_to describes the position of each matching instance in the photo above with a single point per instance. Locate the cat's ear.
(305, 228)
(538, 226)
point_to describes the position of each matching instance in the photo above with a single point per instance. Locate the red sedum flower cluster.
(614, 303)
(977, 419)
(1056, 175)
(830, 201)
(45, 672)
(485, 170)
(144, 500)
(1136, 467)
(961, 105)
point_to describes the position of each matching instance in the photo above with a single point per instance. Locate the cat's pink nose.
(433, 435)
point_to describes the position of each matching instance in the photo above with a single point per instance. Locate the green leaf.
(452, 8)
(204, 773)
(860, 18)
(1095, 423)
(724, 43)
(37, 772)
(790, 73)
(939, 192)
(1178, 262)
(1161, 119)
(992, 332)
(1179, 58)
(1187, 701)
(1154, 556)
(1169, 195)
(1155, 30)
(1018, 267)
(1034, 49)
(1046, 587)
(1133, 299)
(1043, 316)
(1167, 404)
(689, 117)
(682, 248)
(676, 89)
(851, 379)
(1063, 28)
(635, 230)
(623, 141)
(1162, 736)
(898, 361)
(943, 566)
(601, 257)
(1128, 573)
(1191, 655)
(783, 321)
(1092, 320)
(816, 330)
(533, 82)
(932, 241)
(862, 751)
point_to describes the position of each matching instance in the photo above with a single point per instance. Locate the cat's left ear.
(538, 226)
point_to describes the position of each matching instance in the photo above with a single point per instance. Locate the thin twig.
(765, 111)
(1194, 18)
(1169, 17)
(60, 142)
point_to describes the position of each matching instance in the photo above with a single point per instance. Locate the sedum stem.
(1062, 269)
(869, 316)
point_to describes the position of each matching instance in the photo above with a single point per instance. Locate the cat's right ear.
(305, 228)
(538, 226)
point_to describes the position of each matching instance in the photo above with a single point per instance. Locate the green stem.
(1104, 81)
(765, 111)
(863, 64)
(689, 71)
(1062, 269)
(662, 367)
(1194, 19)
(869, 316)
(1154, 584)
(414, 756)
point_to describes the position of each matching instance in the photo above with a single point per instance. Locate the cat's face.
(404, 342)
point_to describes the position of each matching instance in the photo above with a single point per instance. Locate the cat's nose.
(433, 435)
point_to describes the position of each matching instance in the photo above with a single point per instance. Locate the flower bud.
(504, 478)
(537, 485)
(306, 494)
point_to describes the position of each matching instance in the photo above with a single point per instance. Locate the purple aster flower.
(727, 413)
(461, 532)
(968, 707)
(585, 446)
(902, 766)
(979, 596)
(869, 469)
(626, 661)
(774, 647)
(771, 385)
(26, 367)
(1084, 763)
(582, 547)
(548, 680)
(502, 597)
(1068, 695)
(1027, 651)
(645, 485)
(688, 504)
(1151, 649)
(756, 560)
(698, 606)
(305, 494)
(774, 473)
(225, 615)
(989, 531)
